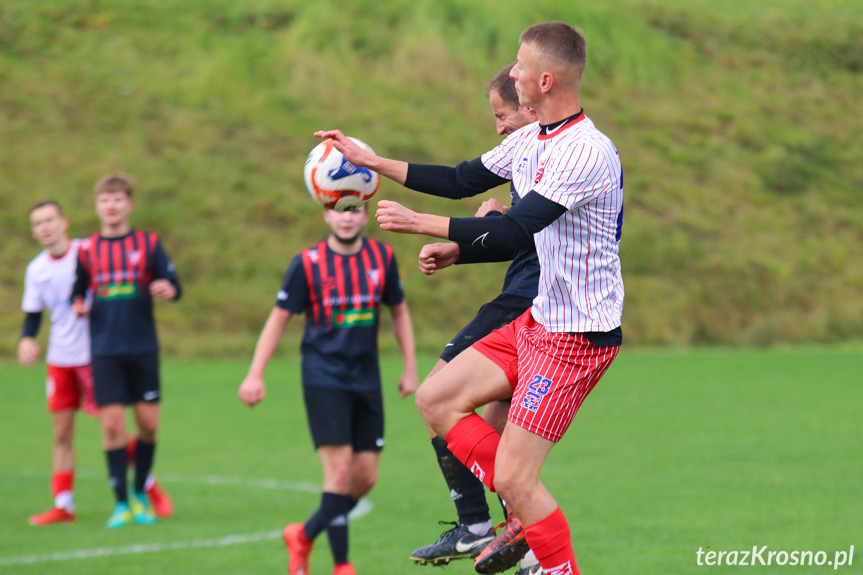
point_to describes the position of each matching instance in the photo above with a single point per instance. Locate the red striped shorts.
(550, 373)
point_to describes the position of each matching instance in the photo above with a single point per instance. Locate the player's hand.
(353, 153)
(28, 351)
(408, 383)
(394, 217)
(163, 289)
(490, 205)
(435, 257)
(252, 391)
(80, 308)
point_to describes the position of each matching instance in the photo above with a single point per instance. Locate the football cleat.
(160, 501)
(53, 515)
(142, 513)
(505, 551)
(456, 543)
(299, 549)
(532, 570)
(344, 569)
(121, 516)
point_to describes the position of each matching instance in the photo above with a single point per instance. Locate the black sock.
(337, 531)
(117, 464)
(144, 454)
(331, 506)
(467, 492)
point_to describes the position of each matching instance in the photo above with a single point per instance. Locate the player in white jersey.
(48, 286)
(569, 177)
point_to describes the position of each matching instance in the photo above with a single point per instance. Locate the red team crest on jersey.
(539, 173)
(374, 276)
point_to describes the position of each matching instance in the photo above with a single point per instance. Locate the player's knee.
(363, 485)
(508, 482)
(431, 408)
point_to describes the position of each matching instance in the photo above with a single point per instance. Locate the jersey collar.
(551, 130)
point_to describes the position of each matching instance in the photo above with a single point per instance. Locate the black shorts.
(343, 417)
(493, 315)
(126, 379)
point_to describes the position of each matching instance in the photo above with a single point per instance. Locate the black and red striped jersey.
(119, 272)
(341, 296)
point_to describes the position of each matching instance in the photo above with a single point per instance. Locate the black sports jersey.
(120, 270)
(341, 296)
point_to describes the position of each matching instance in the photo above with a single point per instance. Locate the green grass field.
(673, 451)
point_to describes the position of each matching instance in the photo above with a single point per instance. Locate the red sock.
(130, 450)
(551, 542)
(62, 481)
(474, 442)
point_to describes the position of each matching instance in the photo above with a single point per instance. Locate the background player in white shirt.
(569, 178)
(48, 286)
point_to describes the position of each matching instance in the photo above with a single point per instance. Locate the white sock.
(529, 559)
(480, 528)
(64, 501)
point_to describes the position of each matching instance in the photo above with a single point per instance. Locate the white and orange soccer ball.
(334, 182)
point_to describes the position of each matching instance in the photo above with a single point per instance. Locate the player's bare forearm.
(253, 390)
(395, 170)
(394, 217)
(404, 332)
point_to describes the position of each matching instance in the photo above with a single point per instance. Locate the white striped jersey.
(48, 286)
(578, 167)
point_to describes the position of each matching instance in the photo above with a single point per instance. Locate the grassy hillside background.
(738, 125)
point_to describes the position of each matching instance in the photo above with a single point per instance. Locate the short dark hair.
(43, 203)
(560, 41)
(504, 86)
(114, 183)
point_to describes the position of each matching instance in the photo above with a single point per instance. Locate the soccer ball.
(334, 182)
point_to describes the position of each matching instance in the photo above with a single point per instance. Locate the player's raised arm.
(393, 169)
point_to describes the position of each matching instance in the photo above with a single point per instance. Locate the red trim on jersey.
(116, 262)
(375, 248)
(339, 274)
(561, 129)
(309, 266)
(367, 265)
(355, 282)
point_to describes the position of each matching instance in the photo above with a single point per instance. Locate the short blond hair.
(113, 183)
(561, 42)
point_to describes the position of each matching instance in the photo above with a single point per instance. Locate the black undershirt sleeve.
(32, 321)
(81, 281)
(469, 254)
(462, 181)
(512, 231)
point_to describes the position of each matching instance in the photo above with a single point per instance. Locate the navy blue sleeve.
(463, 181)
(32, 321)
(295, 289)
(514, 230)
(393, 292)
(163, 269)
(79, 289)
